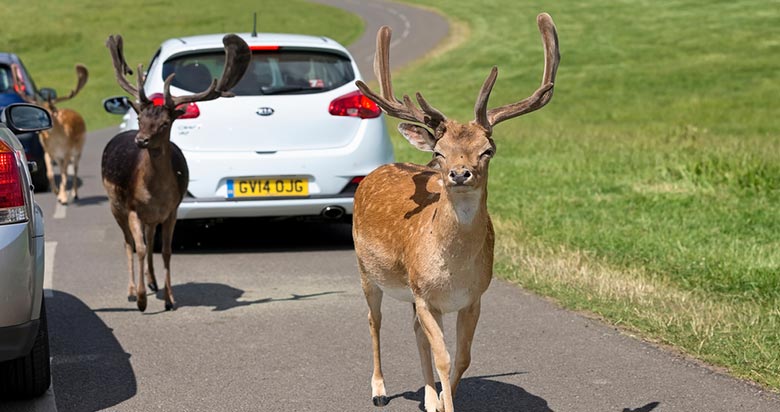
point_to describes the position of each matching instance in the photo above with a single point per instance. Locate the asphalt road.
(271, 318)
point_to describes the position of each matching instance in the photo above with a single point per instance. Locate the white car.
(295, 140)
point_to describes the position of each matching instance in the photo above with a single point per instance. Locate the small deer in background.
(423, 233)
(145, 174)
(64, 142)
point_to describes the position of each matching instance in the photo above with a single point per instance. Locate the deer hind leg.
(431, 323)
(150, 278)
(467, 323)
(167, 237)
(374, 299)
(424, 347)
(137, 229)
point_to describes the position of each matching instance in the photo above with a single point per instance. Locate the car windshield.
(285, 71)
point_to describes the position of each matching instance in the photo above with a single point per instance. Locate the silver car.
(24, 343)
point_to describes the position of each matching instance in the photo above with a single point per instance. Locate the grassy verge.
(52, 36)
(647, 191)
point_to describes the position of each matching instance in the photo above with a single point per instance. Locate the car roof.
(8, 58)
(214, 41)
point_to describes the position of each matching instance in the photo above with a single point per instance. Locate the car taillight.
(354, 104)
(12, 207)
(191, 110)
(351, 187)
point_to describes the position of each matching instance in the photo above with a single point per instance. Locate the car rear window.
(270, 72)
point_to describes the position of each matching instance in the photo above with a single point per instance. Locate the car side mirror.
(23, 117)
(47, 93)
(116, 105)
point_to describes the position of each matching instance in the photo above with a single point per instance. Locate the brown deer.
(423, 233)
(64, 142)
(145, 174)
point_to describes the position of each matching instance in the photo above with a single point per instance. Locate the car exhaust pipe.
(333, 212)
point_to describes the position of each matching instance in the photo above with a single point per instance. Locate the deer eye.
(438, 155)
(487, 153)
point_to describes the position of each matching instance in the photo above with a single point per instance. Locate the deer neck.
(158, 164)
(464, 216)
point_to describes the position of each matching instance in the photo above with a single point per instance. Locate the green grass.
(52, 36)
(648, 190)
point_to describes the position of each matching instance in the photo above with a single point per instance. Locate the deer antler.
(115, 45)
(237, 58)
(429, 116)
(82, 74)
(542, 95)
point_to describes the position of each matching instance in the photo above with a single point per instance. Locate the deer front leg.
(374, 300)
(136, 228)
(62, 193)
(167, 238)
(75, 188)
(49, 171)
(424, 347)
(467, 324)
(431, 322)
(150, 278)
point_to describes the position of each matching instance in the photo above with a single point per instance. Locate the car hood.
(266, 124)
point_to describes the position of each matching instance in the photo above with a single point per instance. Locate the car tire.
(40, 181)
(28, 376)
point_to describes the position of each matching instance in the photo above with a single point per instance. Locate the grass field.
(648, 191)
(52, 36)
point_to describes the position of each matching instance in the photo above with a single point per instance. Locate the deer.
(145, 174)
(64, 142)
(422, 233)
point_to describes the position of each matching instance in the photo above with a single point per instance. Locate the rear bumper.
(17, 341)
(222, 208)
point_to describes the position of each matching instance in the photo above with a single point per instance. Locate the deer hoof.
(132, 298)
(153, 287)
(170, 306)
(380, 400)
(142, 303)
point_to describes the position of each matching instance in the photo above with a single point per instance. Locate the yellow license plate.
(263, 187)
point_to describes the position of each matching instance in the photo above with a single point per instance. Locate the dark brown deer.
(64, 142)
(145, 174)
(423, 233)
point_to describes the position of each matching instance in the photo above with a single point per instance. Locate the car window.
(270, 72)
(6, 79)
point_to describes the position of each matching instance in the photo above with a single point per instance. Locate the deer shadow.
(90, 369)
(223, 297)
(218, 296)
(479, 394)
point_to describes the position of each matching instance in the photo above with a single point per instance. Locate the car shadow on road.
(90, 369)
(479, 394)
(260, 236)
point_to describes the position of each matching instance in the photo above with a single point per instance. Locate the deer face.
(461, 152)
(154, 126)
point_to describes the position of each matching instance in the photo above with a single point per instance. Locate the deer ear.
(418, 136)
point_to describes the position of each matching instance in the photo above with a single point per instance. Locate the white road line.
(60, 211)
(48, 269)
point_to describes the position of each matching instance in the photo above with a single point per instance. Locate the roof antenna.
(254, 26)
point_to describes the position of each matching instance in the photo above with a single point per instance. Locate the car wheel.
(30, 375)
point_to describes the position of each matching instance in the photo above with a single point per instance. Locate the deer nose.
(460, 175)
(142, 142)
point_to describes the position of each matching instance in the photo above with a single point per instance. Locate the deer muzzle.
(142, 141)
(460, 176)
